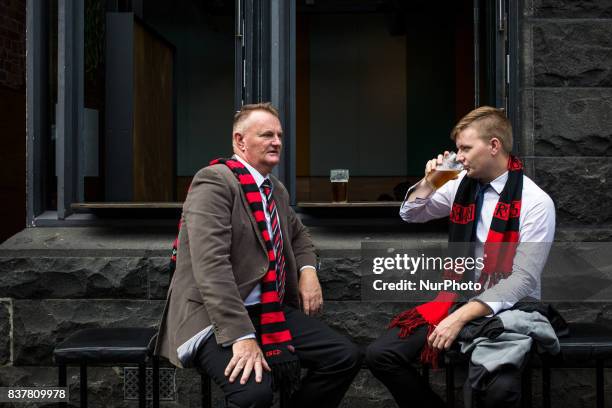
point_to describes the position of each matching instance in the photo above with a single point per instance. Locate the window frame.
(265, 70)
(37, 77)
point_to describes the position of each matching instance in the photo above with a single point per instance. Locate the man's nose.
(276, 140)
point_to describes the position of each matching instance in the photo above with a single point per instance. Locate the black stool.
(587, 345)
(109, 346)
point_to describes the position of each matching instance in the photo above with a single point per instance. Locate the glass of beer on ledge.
(339, 181)
(448, 170)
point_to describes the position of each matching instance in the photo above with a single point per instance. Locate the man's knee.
(374, 355)
(351, 356)
(252, 395)
(345, 356)
(378, 357)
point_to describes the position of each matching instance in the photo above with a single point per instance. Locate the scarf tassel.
(286, 377)
(408, 322)
(429, 355)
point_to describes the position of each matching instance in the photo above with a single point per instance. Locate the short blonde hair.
(246, 110)
(490, 122)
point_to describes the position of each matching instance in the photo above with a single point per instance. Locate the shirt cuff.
(418, 201)
(407, 207)
(248, 336)
(495, 307)
(307, 266)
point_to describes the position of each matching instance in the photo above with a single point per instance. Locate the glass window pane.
(159, 92)
(50, 178)
(378, 91)
(203, 34)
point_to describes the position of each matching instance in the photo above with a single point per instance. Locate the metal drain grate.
(167, 384)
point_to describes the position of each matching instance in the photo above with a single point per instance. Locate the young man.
(491, 201)
(241, 301)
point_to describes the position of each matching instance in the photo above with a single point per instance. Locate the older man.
(491, 202)
(241, 301)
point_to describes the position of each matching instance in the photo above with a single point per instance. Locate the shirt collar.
(259, 179)
(499, 183)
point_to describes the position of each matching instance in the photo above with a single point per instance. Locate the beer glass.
(448, 170)
(339, 182)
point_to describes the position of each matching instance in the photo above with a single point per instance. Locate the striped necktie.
(277, 239)
(482, 189)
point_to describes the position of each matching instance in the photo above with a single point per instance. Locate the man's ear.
(239, 141)
(495, 145)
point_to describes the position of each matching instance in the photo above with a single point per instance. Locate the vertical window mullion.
(70, 102)
(513, 74)
(282, 60)
(239, 55)
(36, 94)
(500, 54)
(476, 14)
(291, 97)
(249, 59)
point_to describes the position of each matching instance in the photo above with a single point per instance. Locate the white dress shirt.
(187, 350)
(536, 233)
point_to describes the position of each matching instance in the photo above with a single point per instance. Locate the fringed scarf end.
(429, 355)
(286, 377)
(407, 322)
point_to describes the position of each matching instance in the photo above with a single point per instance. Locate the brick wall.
(12, 43)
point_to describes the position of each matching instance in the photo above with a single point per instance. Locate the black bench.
(588, 345)
(104, 346)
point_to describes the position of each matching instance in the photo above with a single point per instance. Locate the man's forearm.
(422, 189)
(472, 310)
(445, 333)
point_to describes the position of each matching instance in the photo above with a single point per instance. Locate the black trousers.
(331, 360)
(390, 359)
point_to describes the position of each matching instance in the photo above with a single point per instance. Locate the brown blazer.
(221, 257)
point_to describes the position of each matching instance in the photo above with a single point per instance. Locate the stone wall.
(46, 297)
(566, 126)
(55, 281)
(566, 88)
(58, 280)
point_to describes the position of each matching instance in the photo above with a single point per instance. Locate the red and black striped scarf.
(272, 330)
(498, 258)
